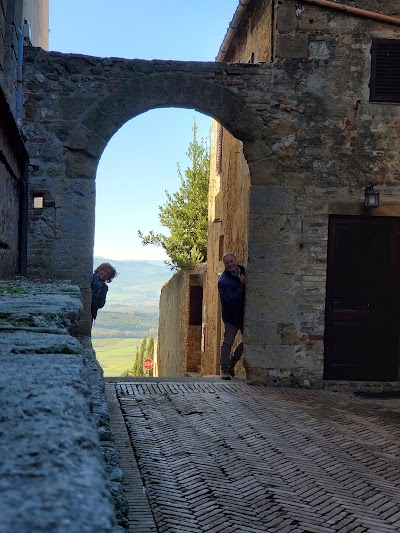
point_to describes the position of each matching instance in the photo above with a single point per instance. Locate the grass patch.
(8, 289)
(115, 355)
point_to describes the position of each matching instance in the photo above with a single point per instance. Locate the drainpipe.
(233, 26)
(20, 56)
(23, 223)
(356, 11)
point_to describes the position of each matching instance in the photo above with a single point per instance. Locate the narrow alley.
(225, 457)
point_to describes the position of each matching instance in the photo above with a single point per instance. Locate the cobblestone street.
(229, 457)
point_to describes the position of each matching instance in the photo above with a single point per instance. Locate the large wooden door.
(362, 314)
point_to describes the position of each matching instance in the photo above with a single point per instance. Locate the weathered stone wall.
(172, 326)
(252, 44)
(13, 156)
(328, 143)
(193, 349)
(53, 471)
(179, 342)
(10, 21)
(73, 106)
(228, 225)
(311, 139)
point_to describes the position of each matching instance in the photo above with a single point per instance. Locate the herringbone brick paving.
(230, 457)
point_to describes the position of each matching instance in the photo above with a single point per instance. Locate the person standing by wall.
(103, 274)
(231, 287)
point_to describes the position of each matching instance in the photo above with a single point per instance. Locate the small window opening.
(385, 71)
(221, 247)
(38, 202)
(196, 305)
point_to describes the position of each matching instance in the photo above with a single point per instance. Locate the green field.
(115, 355)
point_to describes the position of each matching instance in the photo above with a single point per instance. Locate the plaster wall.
(252, 44)
(179, 342)
(37, 15)
(173, 326)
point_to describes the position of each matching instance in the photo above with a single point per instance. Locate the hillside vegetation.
(132, 300)
(113, 324)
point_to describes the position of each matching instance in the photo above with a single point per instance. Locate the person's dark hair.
(112, 273)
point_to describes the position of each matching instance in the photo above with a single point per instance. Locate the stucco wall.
(253, 42)
(172, 326)
(37, 15)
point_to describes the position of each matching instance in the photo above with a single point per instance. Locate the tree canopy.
(184, 213)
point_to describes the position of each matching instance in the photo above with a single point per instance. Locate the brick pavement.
(228, 457)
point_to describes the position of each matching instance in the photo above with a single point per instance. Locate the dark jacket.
(99, 294)
(232, 292)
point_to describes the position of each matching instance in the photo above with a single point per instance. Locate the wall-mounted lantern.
(371, 197)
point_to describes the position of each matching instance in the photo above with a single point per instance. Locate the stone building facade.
(330, 139)
(180, 333)
(312, 134)
(13, 154)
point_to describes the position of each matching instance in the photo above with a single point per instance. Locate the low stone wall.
(59, 468)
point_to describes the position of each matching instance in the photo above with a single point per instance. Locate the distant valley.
(132, 300)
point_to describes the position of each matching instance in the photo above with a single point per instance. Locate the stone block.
(271, 200)
(261, 332)
(75, 194)
(268, 357)
(80, 165)
(47, 422)
(266, 172)
(272, 229)
(266, 257)
(286, 19)
(70, 107)
(291, 46)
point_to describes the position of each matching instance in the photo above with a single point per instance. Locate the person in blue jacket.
(231, 287)
(103, 274)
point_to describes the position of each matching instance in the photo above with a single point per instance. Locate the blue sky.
(140, 161)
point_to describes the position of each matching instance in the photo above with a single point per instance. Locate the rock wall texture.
(13, 156)
(54, 419)
(327, 142)
(311, 141)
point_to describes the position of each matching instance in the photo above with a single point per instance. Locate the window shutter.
(385, 71)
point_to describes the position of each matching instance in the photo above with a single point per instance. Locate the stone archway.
(82, 101)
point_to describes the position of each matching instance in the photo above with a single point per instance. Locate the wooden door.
(362, 314)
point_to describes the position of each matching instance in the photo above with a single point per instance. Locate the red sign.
(148, 364)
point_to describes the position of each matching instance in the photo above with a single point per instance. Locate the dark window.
(221, 247)
(196, 304)
(385, 71)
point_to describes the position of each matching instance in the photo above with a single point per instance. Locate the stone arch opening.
(137, 166)
(70, 123)
(131, 98)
